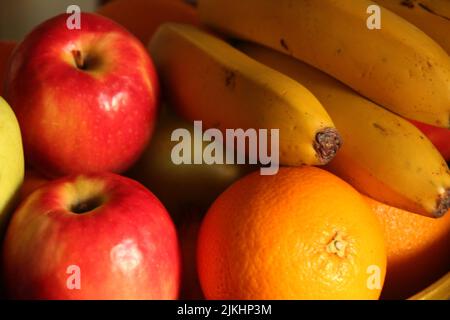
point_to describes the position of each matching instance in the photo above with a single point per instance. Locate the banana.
(424, 16)
(384, 156)
(440, 7)
(440, 290)
(398, 66)
(209, 80)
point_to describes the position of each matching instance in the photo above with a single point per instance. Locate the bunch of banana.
(384, 155)
(397, 66)
(209, 80)
(430, 16)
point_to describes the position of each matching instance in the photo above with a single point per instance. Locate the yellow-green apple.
(86, 99)
(182, 187)
(93, 236)
(6, 49)
(11, 162)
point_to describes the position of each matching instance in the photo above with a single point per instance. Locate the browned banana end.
(443, 204)
(327, 143)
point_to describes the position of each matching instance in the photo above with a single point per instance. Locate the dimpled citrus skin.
(269, 237)
(417, 247)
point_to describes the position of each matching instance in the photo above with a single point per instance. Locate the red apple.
(95, 236)
(32, 181)
(86, 99)
(440, 137)
(6, 49)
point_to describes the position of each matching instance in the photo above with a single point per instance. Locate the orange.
(300, 234)
(143, 17)
(6, 48)
(418, 249)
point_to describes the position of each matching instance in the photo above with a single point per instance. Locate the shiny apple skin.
(82, 121)
(127, 248)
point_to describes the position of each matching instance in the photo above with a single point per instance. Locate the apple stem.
(79, 60)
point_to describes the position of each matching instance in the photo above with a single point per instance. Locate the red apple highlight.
(86, 99)
(95, 236)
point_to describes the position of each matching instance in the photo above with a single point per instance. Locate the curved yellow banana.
(398, 66)
(425, 17)
(384, 156)
(209, 80)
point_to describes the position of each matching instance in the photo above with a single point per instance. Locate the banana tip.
(443, 204)
(327, 143)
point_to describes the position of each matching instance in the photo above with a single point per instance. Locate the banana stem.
(443, 204)
(327, 143)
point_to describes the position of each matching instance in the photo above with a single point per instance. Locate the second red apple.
(97, 236)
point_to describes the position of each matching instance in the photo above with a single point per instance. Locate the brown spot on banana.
(284, 44)
(230, 79)
(327, 143)
(411, 4)
(407, 3)
(426, 8)
(379, 127)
